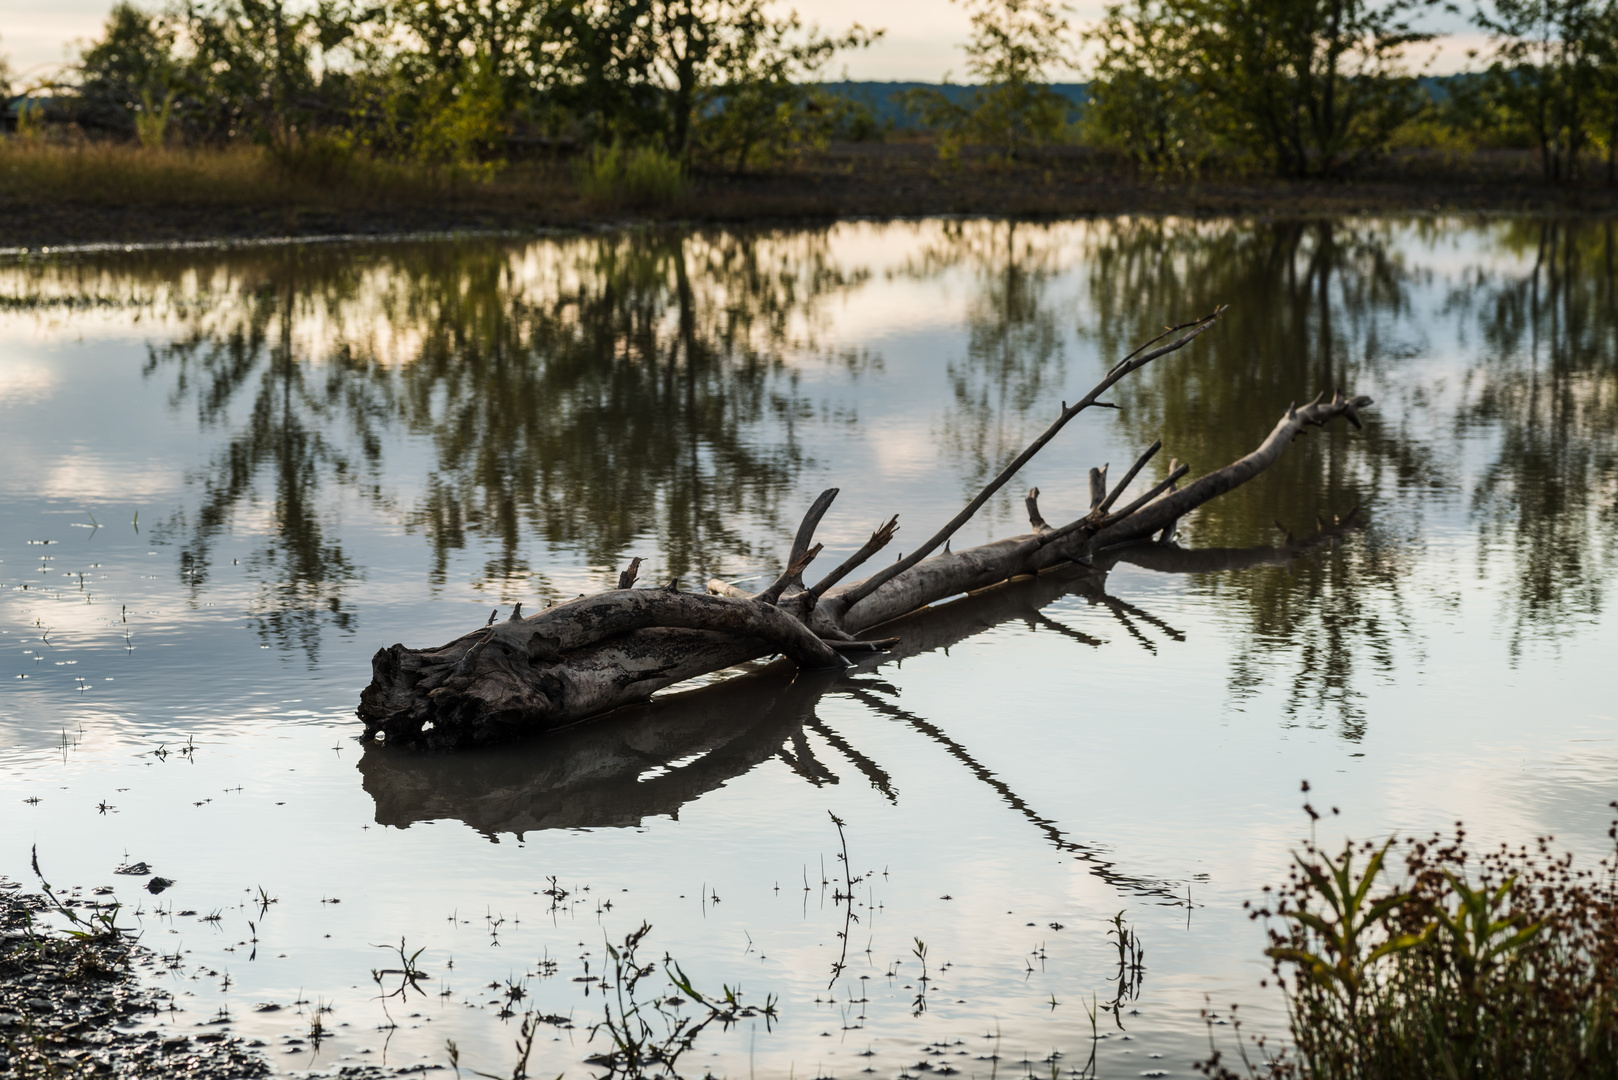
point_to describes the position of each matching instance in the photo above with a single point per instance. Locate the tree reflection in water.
(590, 393)
(1315, 306)
(639, 393)
(1015, 359)
(1546, 390)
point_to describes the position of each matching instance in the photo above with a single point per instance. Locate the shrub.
(644, 176)
(1501, 963)
(152, 122)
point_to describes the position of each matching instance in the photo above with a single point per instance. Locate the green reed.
(1469, 964)
(648, 1035)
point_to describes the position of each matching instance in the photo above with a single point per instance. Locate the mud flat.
(72, 1006)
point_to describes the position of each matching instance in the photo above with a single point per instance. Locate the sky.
(922, 41)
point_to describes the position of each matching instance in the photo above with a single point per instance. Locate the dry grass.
(42, 172)
(60, 190)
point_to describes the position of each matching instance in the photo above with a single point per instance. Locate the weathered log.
(589, 656)
(655, 759)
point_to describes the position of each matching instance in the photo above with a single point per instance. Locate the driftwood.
(654, 759)
(589, 656)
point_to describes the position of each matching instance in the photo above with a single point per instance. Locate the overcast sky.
(921, 43)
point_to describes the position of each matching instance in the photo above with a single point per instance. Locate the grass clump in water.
(1499, 963)
(648, 1035)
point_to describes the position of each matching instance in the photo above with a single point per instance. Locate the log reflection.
(651, 761)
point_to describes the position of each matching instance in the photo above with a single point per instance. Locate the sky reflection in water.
(333, 448)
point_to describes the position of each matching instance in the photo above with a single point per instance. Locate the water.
(230, 476)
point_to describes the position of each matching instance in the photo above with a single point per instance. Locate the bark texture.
(589, 656)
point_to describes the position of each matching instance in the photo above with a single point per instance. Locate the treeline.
(1301, 88)
(1317, 87)
(459, 83)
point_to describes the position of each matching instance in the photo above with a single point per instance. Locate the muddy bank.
(857, 180)
(75, 1007)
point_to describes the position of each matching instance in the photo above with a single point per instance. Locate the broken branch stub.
(597, 653)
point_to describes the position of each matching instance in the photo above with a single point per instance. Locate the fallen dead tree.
(586, 657)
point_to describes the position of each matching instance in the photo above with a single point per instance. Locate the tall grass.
(642, 176)
(41, 171)
(1469, 964)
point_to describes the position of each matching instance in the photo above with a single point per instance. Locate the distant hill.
(880, 97)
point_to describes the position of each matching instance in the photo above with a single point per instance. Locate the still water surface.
(230, 476)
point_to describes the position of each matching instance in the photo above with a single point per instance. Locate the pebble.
(80, 1035)
(77, 1035)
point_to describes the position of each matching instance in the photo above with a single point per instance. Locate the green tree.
(228, 68)
(5, 80)
(764, 104)
(1604, 106)
(471, 57)
(256, 67)
(1311, 87)
(1546, 73)
(1013, 46)
(1142, 94)
(720, 75)
(128, 69)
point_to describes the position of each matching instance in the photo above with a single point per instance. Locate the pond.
(231, 475)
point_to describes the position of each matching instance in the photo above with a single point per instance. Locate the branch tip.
(626, 580)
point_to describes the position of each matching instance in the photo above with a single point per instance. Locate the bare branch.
(1034, 519)
(1167, 482)
(811, 522)
(1168, 530)
(1134, 470)
(1098, 485)
(1150, 519)
(879, 540)
(1090, 522)
(793, 572)
(1134, 362)
(626, 580)
(470, 660)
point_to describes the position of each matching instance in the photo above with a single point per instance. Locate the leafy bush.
(642, 176)
(152, 122)
(1501, 963)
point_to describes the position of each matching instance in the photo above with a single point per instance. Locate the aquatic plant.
(102, 924)
(649, 1035)
(1490, 963)
(409, 974)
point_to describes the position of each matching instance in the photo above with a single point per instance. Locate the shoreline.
(70, 1006)
(883, 182)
